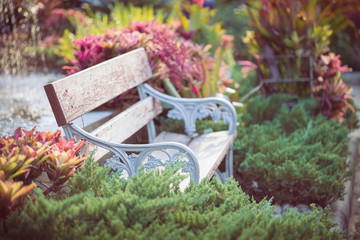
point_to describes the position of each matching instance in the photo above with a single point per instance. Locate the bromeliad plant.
(62, 161)
(11, 194)
(25, 156)
(92, 50)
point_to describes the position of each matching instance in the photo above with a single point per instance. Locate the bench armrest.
(150, 155)
(191, 109)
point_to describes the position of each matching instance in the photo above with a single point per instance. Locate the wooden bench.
(82, 92)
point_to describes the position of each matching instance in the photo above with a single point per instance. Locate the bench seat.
(209, 149)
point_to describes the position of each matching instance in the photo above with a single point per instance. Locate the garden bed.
(285, 151)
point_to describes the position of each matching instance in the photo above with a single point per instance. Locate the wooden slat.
(89, 147)
(125, 124)
(210, 149)
(172, 137)
(82, 92)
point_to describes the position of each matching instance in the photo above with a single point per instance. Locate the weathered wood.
(172, 137)
(82, 92)
(210, 149)
(124, 125)
(89, 147)
(128, 122)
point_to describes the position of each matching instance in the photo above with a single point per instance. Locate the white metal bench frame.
(75, 95)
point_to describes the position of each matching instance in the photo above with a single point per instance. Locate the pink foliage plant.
(170, 54)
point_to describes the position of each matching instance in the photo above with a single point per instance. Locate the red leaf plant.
(26, 154)
(170, 55)
(331, 89)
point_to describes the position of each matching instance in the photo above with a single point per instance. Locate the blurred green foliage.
(290, 42)
(235, 20)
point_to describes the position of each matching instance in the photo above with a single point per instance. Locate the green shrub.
(202, 126)
(245, 82)
(292, 156)
(261, 109)
(150, 206)
(235, 19)
(95, 180)
(293, 119)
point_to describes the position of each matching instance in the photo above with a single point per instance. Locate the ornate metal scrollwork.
(195, 112)
(188, 168)
(175, 114)
(170, 159)
(115, 163)
(154, 162)
(150, 161)
(190, 110)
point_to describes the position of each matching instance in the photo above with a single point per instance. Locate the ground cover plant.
(150, 206)
(286, 152)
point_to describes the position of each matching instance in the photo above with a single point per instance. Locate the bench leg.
(68, 133)
(229, 163)
(220, 176)
(229, 167)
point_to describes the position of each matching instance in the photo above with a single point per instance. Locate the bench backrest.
(77, 94)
